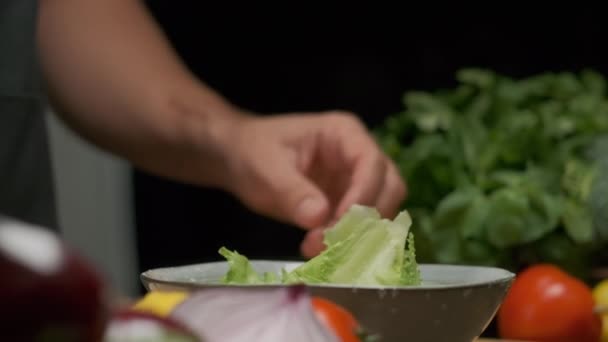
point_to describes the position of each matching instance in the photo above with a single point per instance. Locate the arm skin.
(117, 82)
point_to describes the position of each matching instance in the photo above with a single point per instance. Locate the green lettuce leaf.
(241, 271)
(410, 272)
(356, 219)
(362, 249)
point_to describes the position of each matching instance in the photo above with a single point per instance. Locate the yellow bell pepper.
(600, 296)
(160, 303)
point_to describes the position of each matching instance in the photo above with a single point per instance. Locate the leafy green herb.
(506, 171)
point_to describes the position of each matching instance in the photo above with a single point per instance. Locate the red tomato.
(547, 304)
(338, 319)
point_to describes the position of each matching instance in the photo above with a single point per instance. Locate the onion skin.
(63, 303)
(235, 314)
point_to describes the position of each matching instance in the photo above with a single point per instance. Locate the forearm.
(115, 79)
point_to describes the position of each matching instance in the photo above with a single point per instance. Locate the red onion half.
(269, 314)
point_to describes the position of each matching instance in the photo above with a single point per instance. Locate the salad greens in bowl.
(370, 268)
(361, 249)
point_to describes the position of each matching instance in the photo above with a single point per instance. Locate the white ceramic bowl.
(454, 303)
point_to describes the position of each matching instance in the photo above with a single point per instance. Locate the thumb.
(300, 200)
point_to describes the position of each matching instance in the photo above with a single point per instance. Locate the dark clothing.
(26, 190)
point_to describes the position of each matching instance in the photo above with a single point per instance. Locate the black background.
(362, 59)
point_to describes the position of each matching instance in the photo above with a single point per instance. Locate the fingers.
(367, 180)
(385, 191)
(362, 163)
(312, 244)
(393, 192)
(374, 179)
(388, 202)
(311, 173)
(298, 200)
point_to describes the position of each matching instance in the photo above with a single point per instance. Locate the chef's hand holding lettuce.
(361, 249)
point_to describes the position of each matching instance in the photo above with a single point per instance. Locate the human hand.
(308, 169)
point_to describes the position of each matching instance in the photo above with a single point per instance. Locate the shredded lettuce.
(240, 271)
(362, 249)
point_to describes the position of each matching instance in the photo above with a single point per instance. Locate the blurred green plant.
(506, 172)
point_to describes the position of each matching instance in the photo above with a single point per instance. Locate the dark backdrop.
(361, 60)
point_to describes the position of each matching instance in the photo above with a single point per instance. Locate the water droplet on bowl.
(444, 307)
(467, 292)
(381, 293)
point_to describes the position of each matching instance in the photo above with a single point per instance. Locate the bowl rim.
(503, 276)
